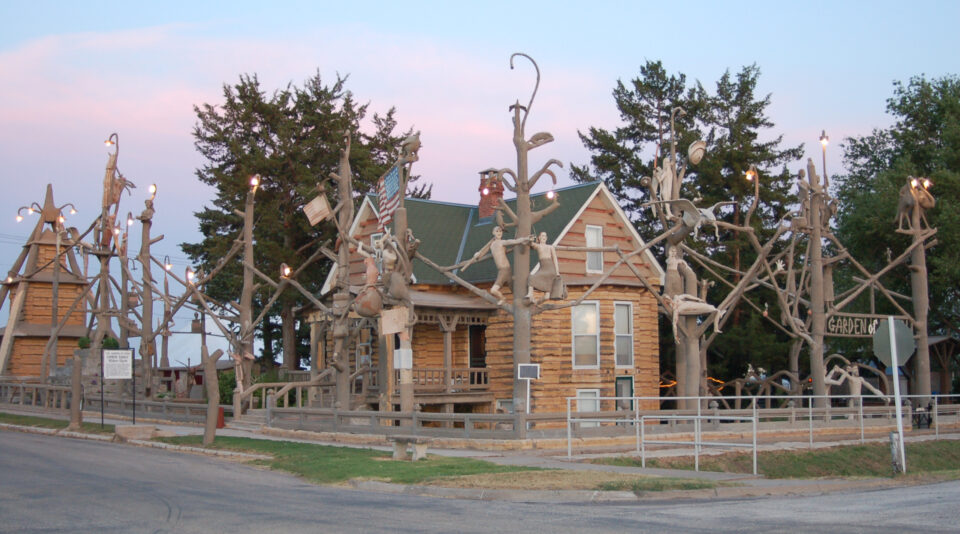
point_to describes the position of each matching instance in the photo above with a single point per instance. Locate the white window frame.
(574, 334)
(586, 233)
(617, 336)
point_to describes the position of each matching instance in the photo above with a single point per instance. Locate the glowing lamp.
(19, 217)
(551, 194)
(285, 270)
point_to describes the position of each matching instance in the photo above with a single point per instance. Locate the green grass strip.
(59, 424)
(870, 460)
(325, 464)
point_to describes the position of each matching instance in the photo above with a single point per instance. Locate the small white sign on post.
(317, 210)
(393, 321)
(118, 364)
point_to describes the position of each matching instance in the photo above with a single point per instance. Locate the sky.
(72, 73)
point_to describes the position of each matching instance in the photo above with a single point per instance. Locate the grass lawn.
(30, 420)
(870, 460)
(330, 465)
(325, 464)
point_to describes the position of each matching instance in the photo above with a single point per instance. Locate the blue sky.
(73, 72)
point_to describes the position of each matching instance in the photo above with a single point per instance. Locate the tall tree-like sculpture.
(523, 220)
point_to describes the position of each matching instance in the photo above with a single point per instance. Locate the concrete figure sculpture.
(547, 276)
(497, 247)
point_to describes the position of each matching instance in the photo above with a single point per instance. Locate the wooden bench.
(401, 447)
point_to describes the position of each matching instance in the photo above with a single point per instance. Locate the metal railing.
(801, 414)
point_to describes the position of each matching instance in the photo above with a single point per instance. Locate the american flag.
(388, 193)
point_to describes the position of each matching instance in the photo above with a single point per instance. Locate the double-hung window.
(594, 237)
(585, 320)
(623, 331)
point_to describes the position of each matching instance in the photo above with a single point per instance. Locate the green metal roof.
(449, 233)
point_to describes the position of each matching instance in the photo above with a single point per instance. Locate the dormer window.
(594, 236)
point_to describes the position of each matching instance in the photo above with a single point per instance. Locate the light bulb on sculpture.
(927, 184)
(166, 263)
(19, 218)
(551, 194)
(190, 275)
(152, 190)
(255, 181)
(285, 270)
(914, 183)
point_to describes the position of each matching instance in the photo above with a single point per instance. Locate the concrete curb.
(138, 442)
(770, 489)
(199, 450)
(481, 494)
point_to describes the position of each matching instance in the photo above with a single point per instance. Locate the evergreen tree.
(924, 141)
(733, 123)
(292, 139)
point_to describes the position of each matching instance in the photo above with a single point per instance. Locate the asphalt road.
(53, 484)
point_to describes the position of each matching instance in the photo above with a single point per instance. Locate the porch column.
(448, 325)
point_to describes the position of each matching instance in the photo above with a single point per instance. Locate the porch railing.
(438, 379)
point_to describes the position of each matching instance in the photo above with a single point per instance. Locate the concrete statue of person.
(547, 276)
(498, 249)
(855, 383)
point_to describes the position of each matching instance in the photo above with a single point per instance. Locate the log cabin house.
(462, 345)
(30, 288)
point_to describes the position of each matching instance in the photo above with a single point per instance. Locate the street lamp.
(285, 270)
(166, 263)
(824, 141)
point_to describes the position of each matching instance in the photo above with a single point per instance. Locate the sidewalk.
(735, 485)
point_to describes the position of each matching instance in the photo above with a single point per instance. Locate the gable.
(450, 233)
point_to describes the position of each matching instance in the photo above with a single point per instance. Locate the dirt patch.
(537, 480)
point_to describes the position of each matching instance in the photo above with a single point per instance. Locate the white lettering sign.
(118, 364)
(846, 325)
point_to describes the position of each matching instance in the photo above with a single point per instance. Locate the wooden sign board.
(317, 210)
(393, 321)
(851, 326)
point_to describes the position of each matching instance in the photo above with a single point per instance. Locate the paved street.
(54, 484)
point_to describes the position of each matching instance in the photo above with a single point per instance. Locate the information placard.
(118, 364)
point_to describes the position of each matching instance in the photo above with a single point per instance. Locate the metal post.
(636, 420)
(933, 416)
(754, 439)
(569, 432)
(643, 444)
(860, 408)
(810, 419)
(696, 445)
(896, 390)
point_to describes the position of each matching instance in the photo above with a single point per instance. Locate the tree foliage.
(292, 138)
(732, 120)
(923, 141)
